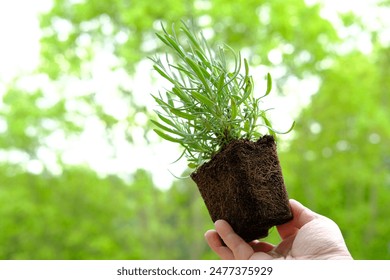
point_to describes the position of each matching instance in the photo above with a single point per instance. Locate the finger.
(260, 246)
(301, 216)
(215, 243)
(241, 250)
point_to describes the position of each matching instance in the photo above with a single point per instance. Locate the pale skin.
(308, 236)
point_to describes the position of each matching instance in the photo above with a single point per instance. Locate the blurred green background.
(88, 98)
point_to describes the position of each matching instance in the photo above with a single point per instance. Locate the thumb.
(301, 216)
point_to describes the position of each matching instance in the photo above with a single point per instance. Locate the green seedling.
(211, 101)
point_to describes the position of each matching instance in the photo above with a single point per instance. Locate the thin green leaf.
(273, 131)
(247, 126)
(268, 124)
(179, 177)
(246, 67)
(234, 109)
(162, 104)
(166, 120)
(162, 39)
(248, 90)
(182, 95)
(171, 42)
(203, 99)
(170, 100)
(191, 36)
(269, 84)
(203, 58)
(289, 130)
(194, 66)
(180, 68)
(221, 82)
(182, 114)
(162, 73)
(179, 158)
(167, 137)
(167, 129)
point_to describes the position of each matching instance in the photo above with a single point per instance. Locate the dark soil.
(243, 184)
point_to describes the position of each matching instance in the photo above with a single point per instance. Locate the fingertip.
(219, 222)
(212, 238)
(209, 233)
(295, 203)
(221, 225)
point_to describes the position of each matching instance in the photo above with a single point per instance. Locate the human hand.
(308, 236)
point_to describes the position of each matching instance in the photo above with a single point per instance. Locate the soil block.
(243, 184)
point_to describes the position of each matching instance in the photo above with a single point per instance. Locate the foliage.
(210, 104)
(350, 153)
(82, 216)
(73, 30)
(52, 210)
(63, 217)
(336, 162)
